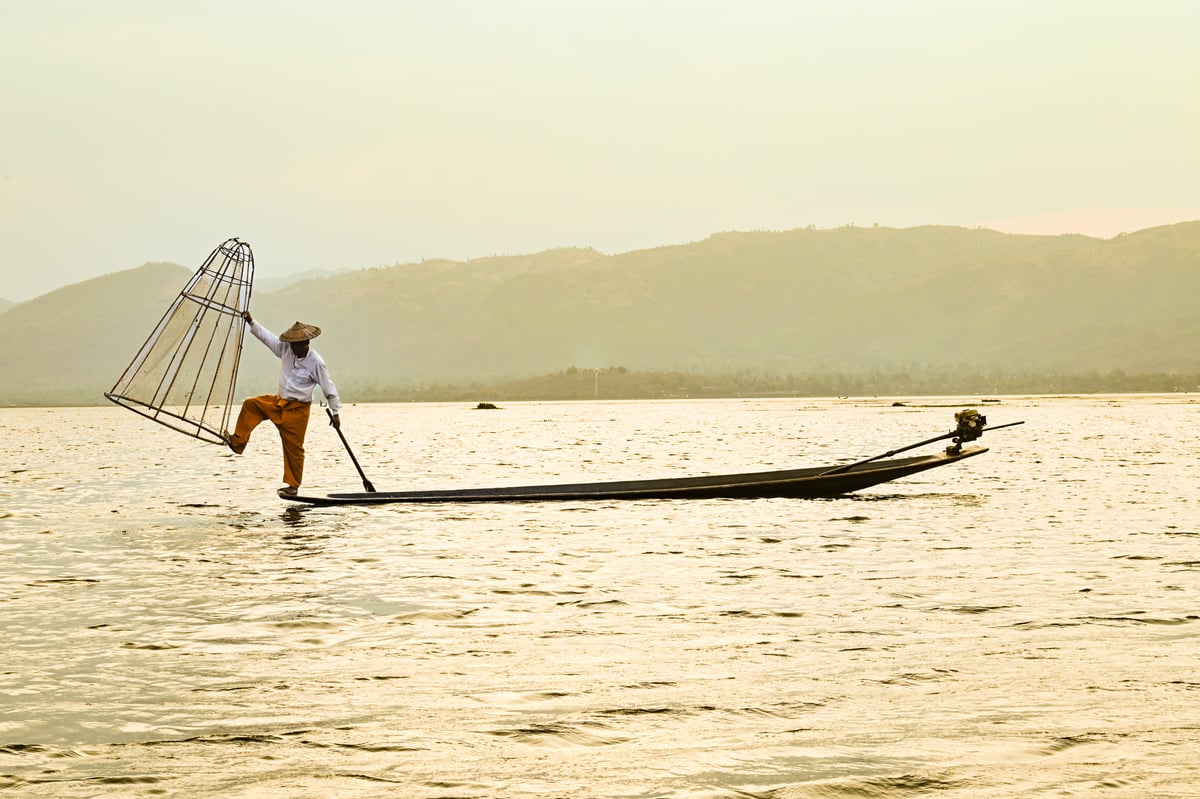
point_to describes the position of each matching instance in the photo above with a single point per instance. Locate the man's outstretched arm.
(268, 338)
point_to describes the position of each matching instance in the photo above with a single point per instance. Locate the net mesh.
(184, 375)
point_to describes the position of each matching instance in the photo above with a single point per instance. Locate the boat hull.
(810, 483)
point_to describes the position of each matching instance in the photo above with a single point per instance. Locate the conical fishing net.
(184, 375)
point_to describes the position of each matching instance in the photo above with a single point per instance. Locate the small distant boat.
(808, 483)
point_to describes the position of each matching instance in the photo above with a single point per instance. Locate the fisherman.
(301, 369)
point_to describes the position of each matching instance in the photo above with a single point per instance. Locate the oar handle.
(847, 467)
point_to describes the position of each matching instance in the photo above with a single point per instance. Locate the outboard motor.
(970, 424)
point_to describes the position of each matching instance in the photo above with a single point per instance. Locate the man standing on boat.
(301, 370)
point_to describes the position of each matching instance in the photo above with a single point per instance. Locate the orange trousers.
(291, 419)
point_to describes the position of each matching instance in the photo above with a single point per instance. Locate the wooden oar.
(366, 483)
(889, 453)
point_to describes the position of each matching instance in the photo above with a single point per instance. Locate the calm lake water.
(1022, 624)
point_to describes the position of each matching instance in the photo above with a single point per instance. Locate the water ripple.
(1018, 625)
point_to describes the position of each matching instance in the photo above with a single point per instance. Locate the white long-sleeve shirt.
(299, 376)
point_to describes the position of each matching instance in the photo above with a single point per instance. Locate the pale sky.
(371, 132)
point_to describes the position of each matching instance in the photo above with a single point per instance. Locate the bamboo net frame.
(185, 373)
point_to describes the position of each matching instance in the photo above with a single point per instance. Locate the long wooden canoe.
(821, 481)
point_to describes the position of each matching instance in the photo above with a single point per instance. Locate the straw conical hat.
(300, 332)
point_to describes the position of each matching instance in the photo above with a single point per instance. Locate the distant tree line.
(617, 382)
(620, 383)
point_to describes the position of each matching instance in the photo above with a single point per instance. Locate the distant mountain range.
(800, 301)
(268, 284)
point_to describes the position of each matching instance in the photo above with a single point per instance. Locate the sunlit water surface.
(1024, 623)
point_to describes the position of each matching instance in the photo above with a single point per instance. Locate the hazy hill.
(796, 300)
(768, 302)
(5, 304)
(270, 283)
(71, 345)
